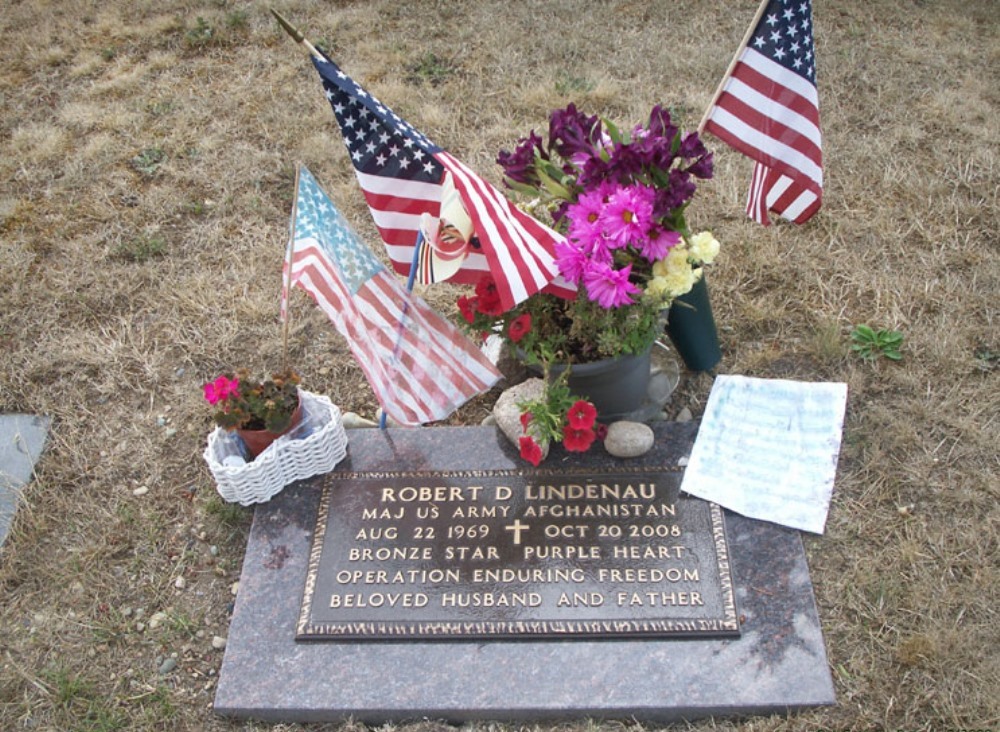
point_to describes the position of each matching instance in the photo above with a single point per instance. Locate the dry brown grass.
(145, 184)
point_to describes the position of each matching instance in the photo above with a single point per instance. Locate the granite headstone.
(776, 665)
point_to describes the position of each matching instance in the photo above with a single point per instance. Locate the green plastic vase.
(692, 330)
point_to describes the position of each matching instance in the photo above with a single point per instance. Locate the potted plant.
(259, 411)
(619, 197)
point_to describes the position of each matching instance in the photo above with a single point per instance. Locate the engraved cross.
(517, 527)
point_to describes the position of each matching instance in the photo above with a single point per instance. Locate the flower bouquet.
(619, 197)
(258, 410)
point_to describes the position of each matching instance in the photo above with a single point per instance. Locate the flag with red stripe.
(420, 366)
(401, 172)
(768, 109)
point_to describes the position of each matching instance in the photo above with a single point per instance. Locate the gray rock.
(353, 421)
(167, 666)
(218, 642)
(628, 439)
(684, 415)
(507, 414)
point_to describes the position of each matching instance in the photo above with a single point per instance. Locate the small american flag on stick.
(420, 366)
(401, 174)
(767, 107)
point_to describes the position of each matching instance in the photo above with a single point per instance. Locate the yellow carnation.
(681, 280)
(704, 247)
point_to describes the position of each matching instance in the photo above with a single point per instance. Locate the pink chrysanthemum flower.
(658, 242)
(627, 216)
(571, 260)
(585, 217)
(609, 287)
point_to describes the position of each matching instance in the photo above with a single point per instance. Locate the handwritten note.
(768, 449)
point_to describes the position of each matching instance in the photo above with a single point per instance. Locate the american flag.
(400, 172)
(768, 109)
(420, 366)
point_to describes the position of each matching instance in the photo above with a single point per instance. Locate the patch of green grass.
(200, 35)
(430, 68)
(160, 108)
(230, 515)
(149, 160)
(870, 343)
(141, 249)
(237, 19)
(108, 53)
(66, 686)
(568, 84)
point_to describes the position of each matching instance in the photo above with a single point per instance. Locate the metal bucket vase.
(616, 387)
(691, 328)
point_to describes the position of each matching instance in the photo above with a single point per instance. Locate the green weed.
(141, 249)
(149, 160)
(870, 343)
(200, 35)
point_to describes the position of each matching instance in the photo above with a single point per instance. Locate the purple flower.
(702, 167)
(675, 195)
(609, 287)
(520, 165)
(627, 216)
(572, 132)
(692, 147)
(659, 124)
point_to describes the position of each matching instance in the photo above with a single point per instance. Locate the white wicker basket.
(315, 446)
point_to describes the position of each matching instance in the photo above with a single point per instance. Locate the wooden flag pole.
(296, 35)
(289, 258)
(732, 64)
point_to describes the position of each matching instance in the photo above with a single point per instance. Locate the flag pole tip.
(289, 28)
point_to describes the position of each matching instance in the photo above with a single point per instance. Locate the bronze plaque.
(516, 554)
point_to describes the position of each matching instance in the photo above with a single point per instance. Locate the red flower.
(487, 299)
(576, 440)
(602, 431)
(530, 450)
(467, 306)
(519, 327)
(582, 415)
(525, 421)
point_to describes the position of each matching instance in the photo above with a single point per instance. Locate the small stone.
(167, 666)
(180, 583)
(353, 421)
(141, 491)
(218, 642)
(156, 620)
(161, 421)
(213, 550)
(628, 439)
(684, 415)
(126, 612)
(199, 634)
(508, 415)
(170, 432)
(140, 627)
(683, 462)
(235, 588)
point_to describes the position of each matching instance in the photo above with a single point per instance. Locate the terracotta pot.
(258, 440)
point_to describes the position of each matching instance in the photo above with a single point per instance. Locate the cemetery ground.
(147, 157)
